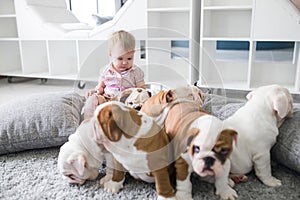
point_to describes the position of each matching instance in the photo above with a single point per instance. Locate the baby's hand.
(91, 92)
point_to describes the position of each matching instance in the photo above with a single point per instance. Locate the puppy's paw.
(105, 179)
(228, 193)
(165, 198)
(231, 183)
(272, 182)
(239, 178)
(112, 186)
(181, 195)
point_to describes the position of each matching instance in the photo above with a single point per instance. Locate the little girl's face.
(122, 60)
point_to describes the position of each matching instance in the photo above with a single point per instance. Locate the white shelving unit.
(172, 22)
(248, 22)
(53, 58)
(9, 44)
(167, 23)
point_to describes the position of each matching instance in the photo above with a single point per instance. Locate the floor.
(24, 87)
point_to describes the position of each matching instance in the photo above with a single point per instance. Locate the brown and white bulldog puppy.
(138, 144)
(166, 98)
(200, 143)
(257, 123)
(81, 157)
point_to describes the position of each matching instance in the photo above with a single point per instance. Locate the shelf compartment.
(263, 73)
(232, 50)
(180, 49)
(34, 56)
(227, 23)
(160, 53)
(173, 74)
(166, 4)
(183, 9)
(10, 30)
(93, 55)
(7, 7)
(232, 3)
(164, 25)
(225, 73)
(237, 51)
(228, 8)
(62, 57)
(274, 51)
(10, 57)
(218, 71)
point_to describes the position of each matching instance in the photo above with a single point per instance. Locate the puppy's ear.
(250, 95)
(233, 134)
(149, 93)
(109, 127)
(78, 161)
(170, 96)
(192, 133)
(113, 133)
(281, 104)
(125, 95)
(101, 99)
(201, 95)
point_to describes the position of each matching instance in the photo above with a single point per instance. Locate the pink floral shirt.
(116, 83)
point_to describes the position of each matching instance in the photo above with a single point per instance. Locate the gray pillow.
(221, 106)
(39, 121)
(287, 148)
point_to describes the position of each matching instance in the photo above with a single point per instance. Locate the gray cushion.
(287, 148)
(221, 106)
(39, 121)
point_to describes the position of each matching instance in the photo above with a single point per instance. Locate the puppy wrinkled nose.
(138, 107)
(209, 161)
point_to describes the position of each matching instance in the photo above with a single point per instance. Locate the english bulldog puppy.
(257, 123)
(80, 158)
(200, 144)
(166, 98)
(138, 144)
(132, 97)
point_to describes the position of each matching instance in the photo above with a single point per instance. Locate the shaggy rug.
(34, 175)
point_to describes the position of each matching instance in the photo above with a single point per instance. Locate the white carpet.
(33, 175)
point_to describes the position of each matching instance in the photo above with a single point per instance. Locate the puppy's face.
(154, 105)
(191, 93)
(209, 153)
(74, 166)
(75, 160)
(135, 97)
(277, 98)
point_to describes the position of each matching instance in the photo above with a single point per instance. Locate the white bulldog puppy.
(134, 97)
(81, 157)
(257, 123)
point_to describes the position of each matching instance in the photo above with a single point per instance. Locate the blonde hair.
(125, 39)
